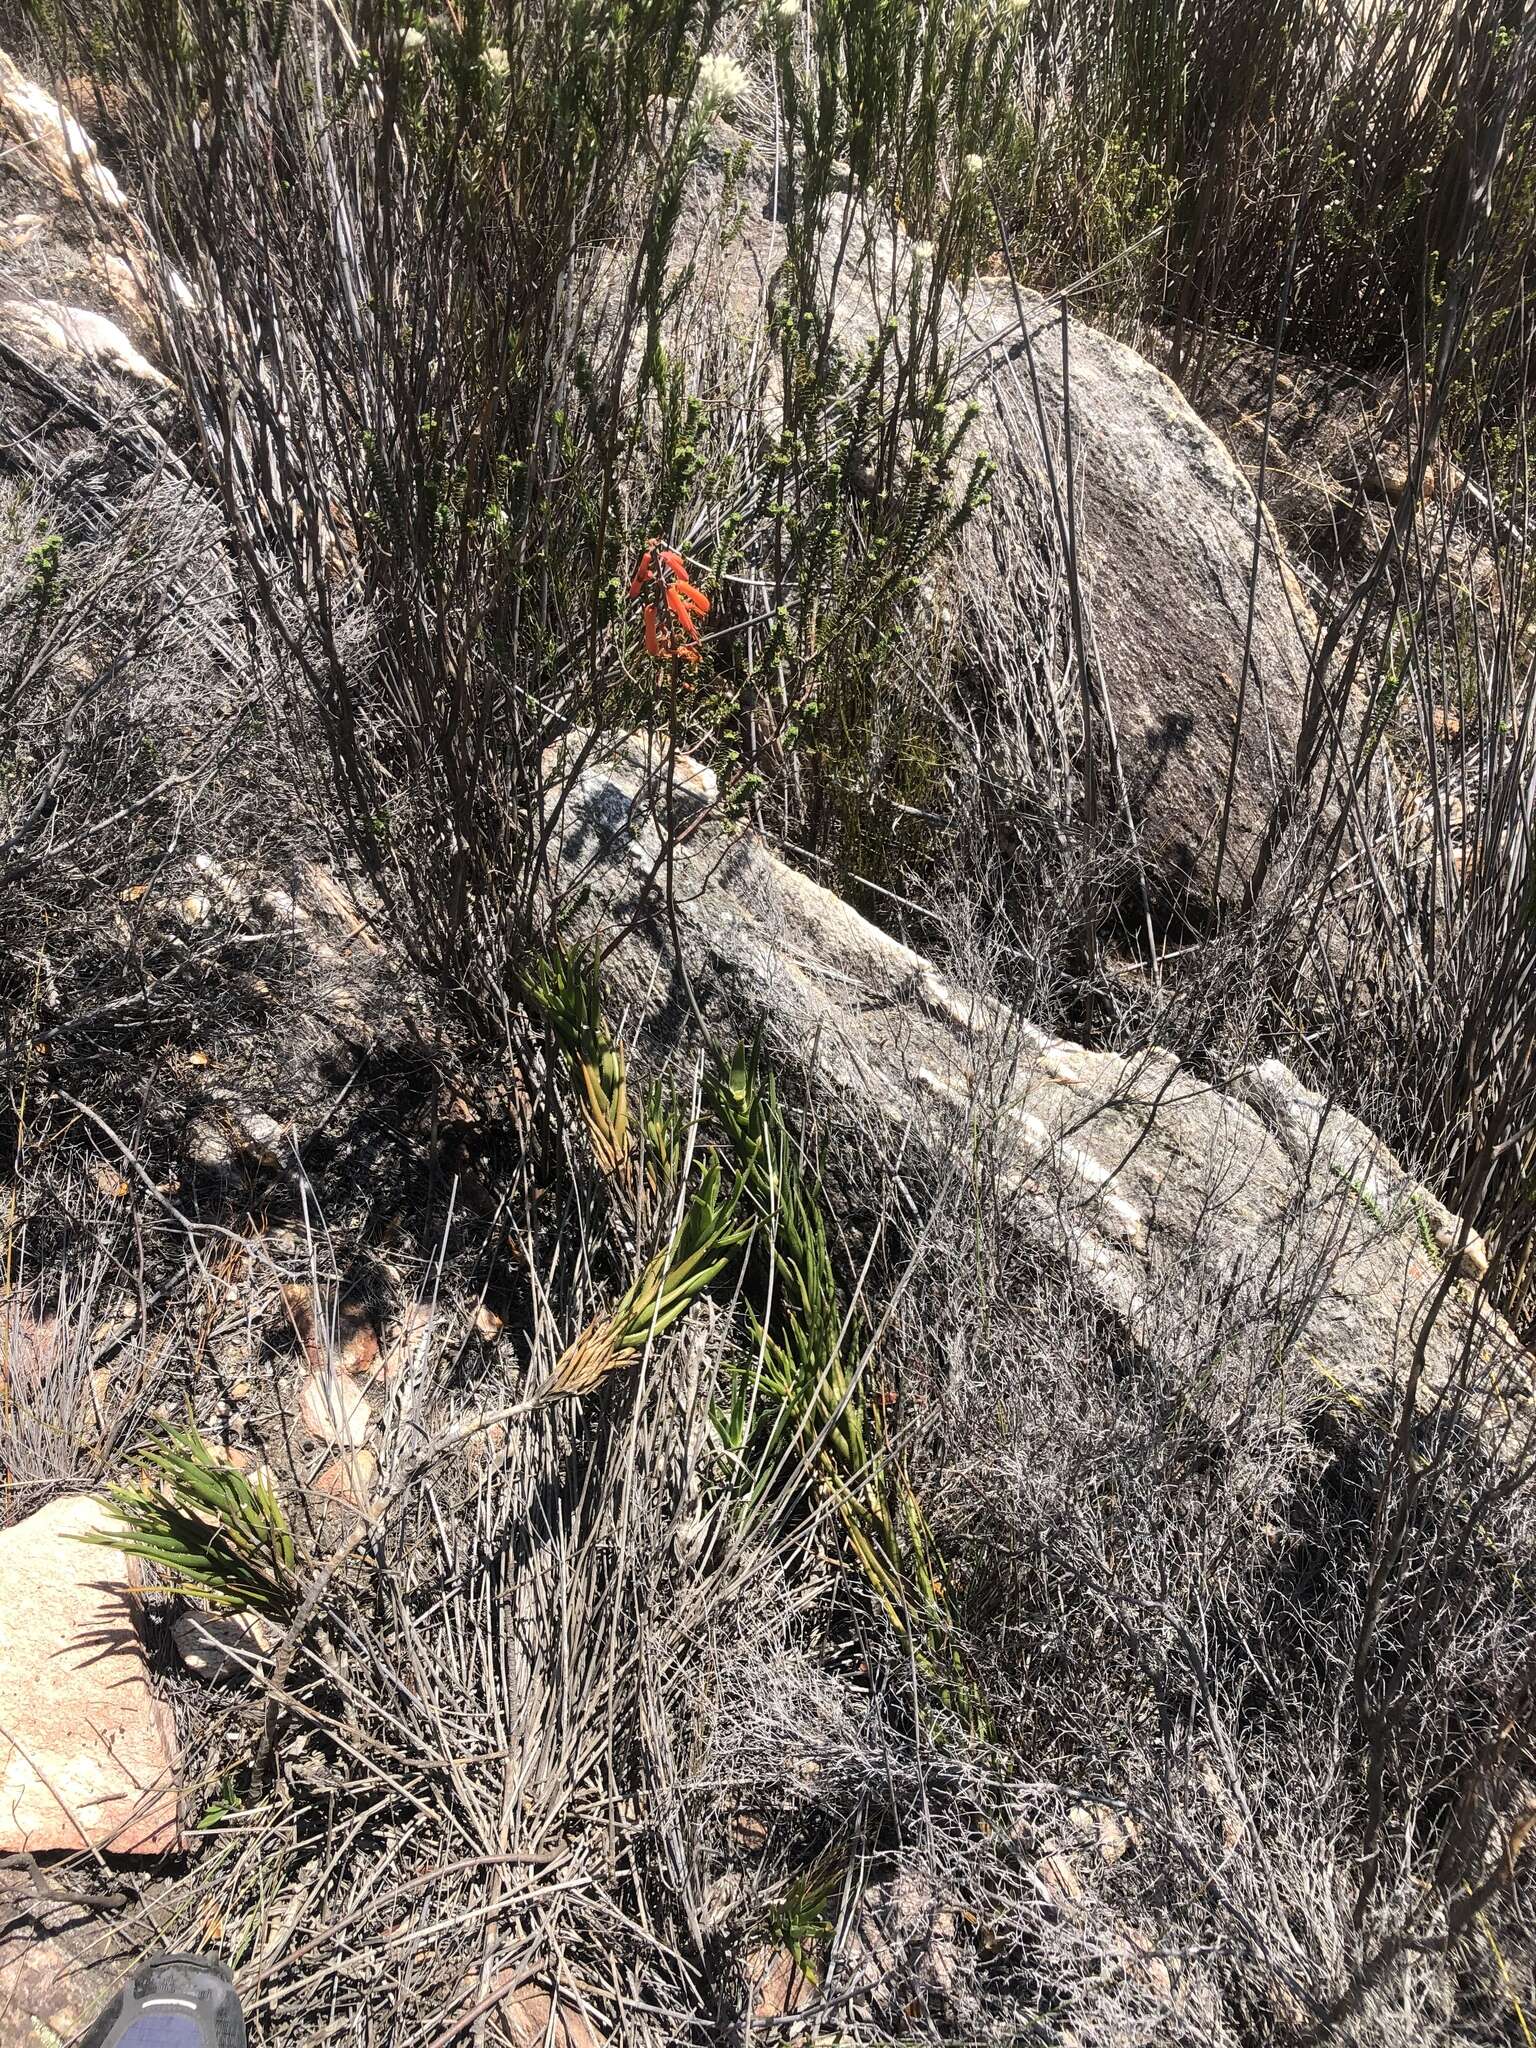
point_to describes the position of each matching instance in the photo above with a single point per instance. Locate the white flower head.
(922, 255)
(975, 165)
(496, 62)
(722, 81)
(788, 12)
(412, 41)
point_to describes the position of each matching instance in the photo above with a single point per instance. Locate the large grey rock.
(1163, 538)
(1137, 1169)
(1164, 547)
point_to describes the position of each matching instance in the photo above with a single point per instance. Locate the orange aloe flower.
(671, 606)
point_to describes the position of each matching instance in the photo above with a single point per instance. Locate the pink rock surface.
(534, 2020)
(86, 1755)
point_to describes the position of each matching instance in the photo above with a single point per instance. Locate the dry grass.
(876, 1599)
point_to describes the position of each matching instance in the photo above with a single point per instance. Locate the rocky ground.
(313, 1238)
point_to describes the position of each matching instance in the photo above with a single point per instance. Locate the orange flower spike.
(682, 612)
(671, 604)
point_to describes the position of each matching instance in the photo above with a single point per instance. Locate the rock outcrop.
(87, 1758)
(77, 334)
(56, 146)
(1182, 580)
(1176, 595)
(1136, 1169)
(79, 385)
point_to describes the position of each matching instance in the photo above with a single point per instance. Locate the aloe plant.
(564, 989)
(218, 1535)
(666, 1289)
(816, 1397)
(664, 1123)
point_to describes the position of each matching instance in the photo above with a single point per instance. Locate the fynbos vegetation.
(725, 1550)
